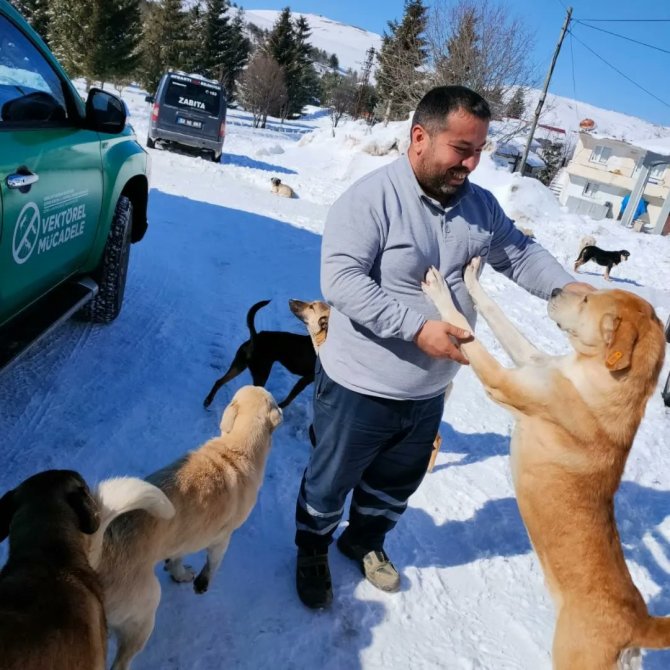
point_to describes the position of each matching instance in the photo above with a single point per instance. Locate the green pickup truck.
(73, 194)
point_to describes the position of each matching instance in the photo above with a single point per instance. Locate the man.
(383, 370)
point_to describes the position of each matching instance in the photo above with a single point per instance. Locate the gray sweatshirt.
(380, 237)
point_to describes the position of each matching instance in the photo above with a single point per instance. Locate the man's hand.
(440, 339)
(579, 287)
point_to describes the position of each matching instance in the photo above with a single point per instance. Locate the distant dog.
(297, 353)
(51, 611)
(606, 258)
(283, 190)
(213, 490)
(586, 241)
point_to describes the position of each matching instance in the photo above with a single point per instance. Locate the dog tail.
(251, 315)
(652, 633)
(124, 494)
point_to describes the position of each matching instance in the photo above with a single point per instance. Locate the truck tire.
(666, 392)
(151, 143)
(113, 269)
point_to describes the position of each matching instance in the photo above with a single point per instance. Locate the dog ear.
(6, 513)
(620, 337)
(86, 509)
(229, 416)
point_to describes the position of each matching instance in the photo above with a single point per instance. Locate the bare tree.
(341, 99)
(262, 87)
(479, 44)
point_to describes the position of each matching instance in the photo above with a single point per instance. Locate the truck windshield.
(193, 96)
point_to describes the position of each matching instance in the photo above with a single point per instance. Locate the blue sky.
(586, 75)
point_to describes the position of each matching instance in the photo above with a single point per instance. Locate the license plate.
(189, 122)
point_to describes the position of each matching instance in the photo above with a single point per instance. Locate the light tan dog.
(284, 190)
(576, 417)
(213, 490)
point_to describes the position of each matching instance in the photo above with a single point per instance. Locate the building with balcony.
(604, 170)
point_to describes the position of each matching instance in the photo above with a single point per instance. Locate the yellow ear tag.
(614, 357)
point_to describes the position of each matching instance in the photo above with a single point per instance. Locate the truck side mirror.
(105, 112)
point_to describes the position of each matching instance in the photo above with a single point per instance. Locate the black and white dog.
(606, 258)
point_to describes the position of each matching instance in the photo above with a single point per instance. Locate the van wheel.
(216, 157)
(113, 269)
(151, 143)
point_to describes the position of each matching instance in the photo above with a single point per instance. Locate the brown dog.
(297, 353)
(51, 613)
(213, 490)
(576, 417)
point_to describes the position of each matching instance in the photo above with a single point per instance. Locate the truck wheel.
(216, 157)
(151, 143)
(113, 269)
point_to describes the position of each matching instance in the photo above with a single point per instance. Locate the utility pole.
(543, 96)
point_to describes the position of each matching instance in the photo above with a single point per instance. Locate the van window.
(191, 96)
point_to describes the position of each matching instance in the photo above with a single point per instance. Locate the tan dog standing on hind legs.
(576, 417)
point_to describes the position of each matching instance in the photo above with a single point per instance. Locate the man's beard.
(436, 184)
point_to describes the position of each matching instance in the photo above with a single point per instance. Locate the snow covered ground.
(127, 398)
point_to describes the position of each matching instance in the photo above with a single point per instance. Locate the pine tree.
(236, 54)
(70, 29)
(166, 43)
(225, 47)
(114, 47)
(400, 82)
(461, 65)
(307, 89)
(289, 49)
(516, 107)
(37, 14)
(195, 57)
(215, 37)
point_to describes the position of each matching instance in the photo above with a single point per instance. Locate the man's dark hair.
(432, 111)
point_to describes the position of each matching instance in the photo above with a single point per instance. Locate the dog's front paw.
(437, 290)
(471, 273)
(178, 572)
(433, 285)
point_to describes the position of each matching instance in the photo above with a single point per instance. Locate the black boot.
(312, 578)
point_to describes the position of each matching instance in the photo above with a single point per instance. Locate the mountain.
(348, 43)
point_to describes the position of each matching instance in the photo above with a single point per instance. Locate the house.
(604, 170)
(508, 155)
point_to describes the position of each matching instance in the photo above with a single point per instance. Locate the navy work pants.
(380, 448)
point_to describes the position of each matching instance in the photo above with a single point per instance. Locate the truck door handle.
(21, 179)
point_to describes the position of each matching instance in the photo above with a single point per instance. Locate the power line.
(625, 76)
(574, 80)
(627, 20)
(623, 37)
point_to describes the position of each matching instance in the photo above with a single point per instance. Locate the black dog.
(51, 611)
(297, 353)
(607, 258)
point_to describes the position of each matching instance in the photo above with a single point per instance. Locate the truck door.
(50, 175)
